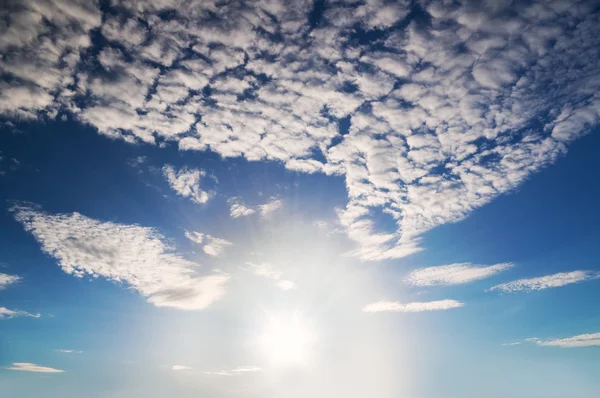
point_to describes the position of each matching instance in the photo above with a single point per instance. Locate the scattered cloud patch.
(454, 274)
(5, 313)
(546, 282)
(238, 209)
(186, 182)
(582, 340)
(394, 306)
(267, 271)
(129, 254)
(511, 344)
(6, 280)
(212, 246)
(31, 367)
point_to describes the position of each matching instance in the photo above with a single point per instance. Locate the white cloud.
(70, 351)
(394, 306)
(180, 367)
(213, 246)
(546, 282)
(238, 209)
(454, 112)
(582, 340)
(236, 371)
(511, 344)
(130, 254)
(270, 207)
(31, 367)
(6, 280)
(186, 182)
(267, 271)
(454, 274)
(196, 237)
(5, 313)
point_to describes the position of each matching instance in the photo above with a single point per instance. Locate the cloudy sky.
(326, 198)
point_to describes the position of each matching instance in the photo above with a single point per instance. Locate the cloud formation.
(394, 306)
(186, 182)
(582, 340)
(129, 254)
(212, 246)
(70, 351)
(6, 280)
(546, 282)
(31, 367)
(444, 108)
(454, 274)
(267, 271)
(5, 313)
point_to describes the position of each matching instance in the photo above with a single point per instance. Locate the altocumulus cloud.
(454, 274)
(212, 246)
(130, 254)
(447, 110)
(546, 282)
(394, 306)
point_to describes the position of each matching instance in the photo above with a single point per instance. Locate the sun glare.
(287, 340)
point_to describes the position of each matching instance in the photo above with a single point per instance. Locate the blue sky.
(253, 199)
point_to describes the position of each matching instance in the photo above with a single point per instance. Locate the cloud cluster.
(394, 306)
(186, 182)
(582, 340)
(454, 274)
(31, 367)
(212, 246)
(546, 282)
(5, 313)
(130, 254)
(6, 280)
(439, 109)
(267, 271)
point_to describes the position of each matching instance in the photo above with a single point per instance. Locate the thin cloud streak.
(454, 274)
(394, 306)
(546, 282)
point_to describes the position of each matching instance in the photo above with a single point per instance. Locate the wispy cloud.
(238, 209)
(269, 272)
(130, 254)
(454, 274)
(180, 367)
(546, 282)
(582, 340)
(212, 246)
(70, 351)
(186, 182)
(234, 372)
(31, 367)
(5, 313)
(270, 207)
(394, 306)
(6, 280)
